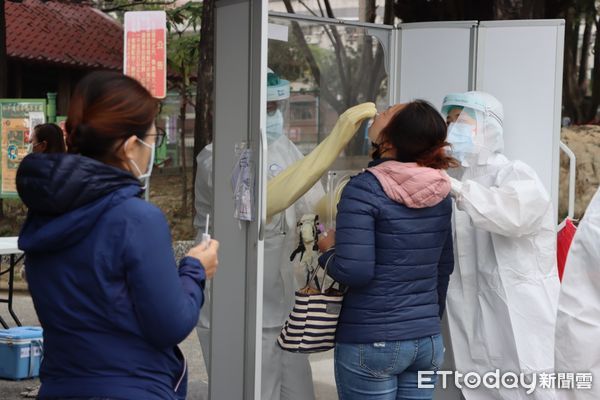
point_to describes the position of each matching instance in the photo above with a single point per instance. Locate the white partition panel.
(520, 62)
(434, 59)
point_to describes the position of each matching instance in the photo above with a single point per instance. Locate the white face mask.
(274, 126)
(144, 177)
(460, 136)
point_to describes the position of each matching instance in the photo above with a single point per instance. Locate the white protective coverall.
(578, 322)
(503, 294)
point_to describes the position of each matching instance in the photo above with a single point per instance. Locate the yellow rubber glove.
(291, 184)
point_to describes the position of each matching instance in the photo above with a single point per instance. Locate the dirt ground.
(165, 192)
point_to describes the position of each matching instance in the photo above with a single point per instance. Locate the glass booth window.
(316, 72)
(330, 69)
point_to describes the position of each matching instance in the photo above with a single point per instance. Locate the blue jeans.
(387, 370)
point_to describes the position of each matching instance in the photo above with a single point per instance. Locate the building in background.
(51, 45)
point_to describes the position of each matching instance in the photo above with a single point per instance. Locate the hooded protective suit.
(285, 375)
(503, 295)
(578, 321)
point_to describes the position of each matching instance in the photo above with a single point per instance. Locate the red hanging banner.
(145, 57)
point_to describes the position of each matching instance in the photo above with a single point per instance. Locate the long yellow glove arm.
(291, 184)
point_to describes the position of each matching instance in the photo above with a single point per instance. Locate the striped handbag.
(310, 327)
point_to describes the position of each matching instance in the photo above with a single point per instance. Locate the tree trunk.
(571, 95)
(585, 52)
(203, 127)
(3, 70)
(182, 109)
(518, 9)
(595, 76)
(574, 37)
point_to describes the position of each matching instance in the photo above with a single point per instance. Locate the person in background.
(503, 296)
(100, 263)
(47, 138)
(578, 321)
(392, 248)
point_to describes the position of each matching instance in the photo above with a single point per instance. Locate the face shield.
(474, 127)
(464, 135)
(277, 119)
(278, 98)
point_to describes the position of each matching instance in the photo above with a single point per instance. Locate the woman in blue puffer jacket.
(393, 250)
(100, 264)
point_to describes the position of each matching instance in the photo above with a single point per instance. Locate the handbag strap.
(313, 275)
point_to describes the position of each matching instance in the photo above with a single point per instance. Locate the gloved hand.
(455, 187)
(297, 179)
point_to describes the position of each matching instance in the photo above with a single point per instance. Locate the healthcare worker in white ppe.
(502, 298)
(578, 323)
(285, 375)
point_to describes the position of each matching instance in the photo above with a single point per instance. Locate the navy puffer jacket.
(394, 251)
(104, 282)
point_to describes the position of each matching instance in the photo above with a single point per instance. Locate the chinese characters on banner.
(145, 57)
(17, 120)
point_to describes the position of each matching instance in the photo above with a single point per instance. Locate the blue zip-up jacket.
(104, 282)
(394, 252)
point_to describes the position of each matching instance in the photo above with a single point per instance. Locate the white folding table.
(9, 247)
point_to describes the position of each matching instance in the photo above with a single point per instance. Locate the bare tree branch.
(320, 8)
(329, 9)
(308, 8)
(341, 57)
(367, 53)
(310, 59)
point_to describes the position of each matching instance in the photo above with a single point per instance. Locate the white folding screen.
(520, 62)
(434, 59)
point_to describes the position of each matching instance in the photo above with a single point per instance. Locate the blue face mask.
(274, 126)
(460, 136)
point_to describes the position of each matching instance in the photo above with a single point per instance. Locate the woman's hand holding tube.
(208, 256)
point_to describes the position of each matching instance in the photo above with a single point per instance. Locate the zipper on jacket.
(182, 372)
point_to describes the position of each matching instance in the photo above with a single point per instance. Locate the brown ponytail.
(105, 107)
(418, 134)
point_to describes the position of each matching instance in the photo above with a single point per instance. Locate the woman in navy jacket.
(100, 264)
(393, 250)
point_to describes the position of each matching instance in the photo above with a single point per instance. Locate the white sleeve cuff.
(455, 187)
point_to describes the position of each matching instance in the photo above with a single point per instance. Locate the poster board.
(17, 119)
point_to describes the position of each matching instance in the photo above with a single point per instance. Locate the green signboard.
(17, 118)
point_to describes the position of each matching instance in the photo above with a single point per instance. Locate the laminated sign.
(17, 120)
(145, 48)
